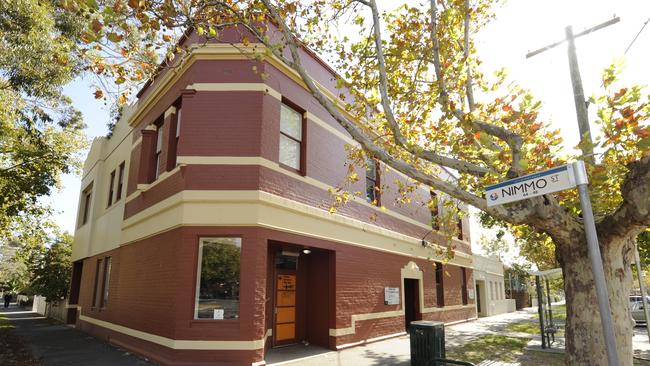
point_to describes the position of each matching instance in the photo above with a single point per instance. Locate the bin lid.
(426, 323)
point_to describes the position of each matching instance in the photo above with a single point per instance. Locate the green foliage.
(40, 131)
(52, 269)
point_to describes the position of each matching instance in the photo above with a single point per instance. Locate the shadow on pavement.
(56, 344)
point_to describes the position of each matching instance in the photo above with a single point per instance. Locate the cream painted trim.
(256, 160)
(338, 332)
(330, 129)
(150, 127)
(135, 194)
(171, 110)
(449, 308)
(164, 175)
(137, 142)
(221, 52)
(178, 343)
(262, 209)
(258, 87)
(410, 270)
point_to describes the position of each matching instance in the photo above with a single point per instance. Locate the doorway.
(411, 301)
(286, 280)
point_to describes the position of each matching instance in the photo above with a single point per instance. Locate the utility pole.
(586, 145)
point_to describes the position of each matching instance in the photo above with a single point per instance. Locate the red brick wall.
(153, 281)
(247, 124)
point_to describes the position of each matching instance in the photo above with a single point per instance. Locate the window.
(95, 289)
(110, 189)
(217, 282)
(291, 136)
(178, 125)
(435, 212)
(459, 225)
(106, 279)
(372, 181)
(440, 294)
(87, 198)
(159, 140)
(120, 182)
(491, 290)
(463, 290)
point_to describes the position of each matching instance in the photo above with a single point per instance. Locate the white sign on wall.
(532, 185)
(470, 293)
(218, 314)
(391, 295)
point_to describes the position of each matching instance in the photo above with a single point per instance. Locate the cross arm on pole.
(583, 33)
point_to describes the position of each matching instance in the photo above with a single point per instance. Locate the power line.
(637, 36)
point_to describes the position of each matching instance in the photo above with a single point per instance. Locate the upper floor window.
(106, 277)
(291, 137)
(159, 143)
(87, 200)
(120, 182)
(440, 290)
(98, 272)
(372, 181)
(435, 211)
(463, 281)
(110, 189)
(178, 124)
(217, 282)
(459, 227)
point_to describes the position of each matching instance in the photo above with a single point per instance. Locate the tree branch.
(633, 215)
(468, 83)
(398, 137)
(513, 140)
(513, 215)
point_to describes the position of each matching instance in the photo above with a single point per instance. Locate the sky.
(521, 26)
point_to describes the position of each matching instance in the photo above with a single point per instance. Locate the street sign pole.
(580, 175)
(558, 179)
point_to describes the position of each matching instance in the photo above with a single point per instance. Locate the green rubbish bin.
(427, 342)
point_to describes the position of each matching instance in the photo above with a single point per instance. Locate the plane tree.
(413, 95)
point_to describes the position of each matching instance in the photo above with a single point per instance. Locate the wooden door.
(285, 307)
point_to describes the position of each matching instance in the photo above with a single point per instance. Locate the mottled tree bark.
(584, 334)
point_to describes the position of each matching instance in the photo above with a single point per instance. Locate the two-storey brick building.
(203, 232)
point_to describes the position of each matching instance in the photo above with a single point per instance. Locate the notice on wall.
(470, 293)
(218, 314)
(287, 282)
(391, 295)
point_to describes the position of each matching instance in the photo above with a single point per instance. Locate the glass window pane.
(178, 123)
(159, 139)
(291, 122)
(370, 190)
(218, 287)
(371, 169)
(289, 152)
(107, 279)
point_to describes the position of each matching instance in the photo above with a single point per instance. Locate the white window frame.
(199, 260)
(159, 138)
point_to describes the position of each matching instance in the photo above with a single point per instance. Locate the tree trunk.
(585, 344)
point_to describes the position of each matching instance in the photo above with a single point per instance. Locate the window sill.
(145, 187)
(292, 169)
(213, 321)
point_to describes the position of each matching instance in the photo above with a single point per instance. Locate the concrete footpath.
(55, 344)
